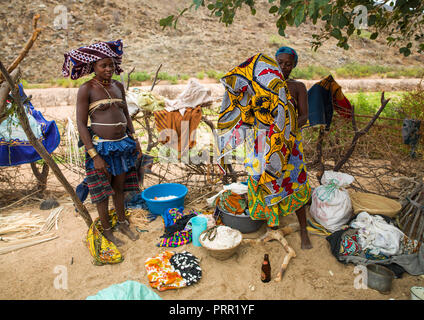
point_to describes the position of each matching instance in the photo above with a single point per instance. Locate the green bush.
(140, 76)
(200, 75)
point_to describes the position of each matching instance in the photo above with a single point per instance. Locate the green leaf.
(300, 15)
(281, 31)
(372, 19)
(374, 36)
(166, 22)
(336, 33)
(198, 3)
(211, 6)
(406, 52)
(273, 9)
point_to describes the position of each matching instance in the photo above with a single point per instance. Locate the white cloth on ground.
(377, 235)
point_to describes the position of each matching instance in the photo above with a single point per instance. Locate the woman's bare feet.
(304, 238)
(109, 235)
(124, 227)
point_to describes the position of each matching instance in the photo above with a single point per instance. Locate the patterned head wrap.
(79, 62)
(289, 51)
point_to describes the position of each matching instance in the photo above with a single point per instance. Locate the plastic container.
(417, 293)
(380, 278)
(241, 222)
(198, 225)
(158, 207)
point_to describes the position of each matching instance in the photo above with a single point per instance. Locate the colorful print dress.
(256, 111)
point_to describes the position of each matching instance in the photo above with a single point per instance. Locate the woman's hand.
(138, 149)
(101, 165)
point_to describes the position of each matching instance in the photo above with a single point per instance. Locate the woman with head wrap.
(111, 148)
(286, 58)
(257, 110)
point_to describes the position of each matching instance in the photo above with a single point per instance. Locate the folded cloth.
(177, 239)
(161, 274)
(188, 266)
(179, 225)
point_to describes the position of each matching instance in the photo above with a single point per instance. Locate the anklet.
(125, 222)
(107, 229)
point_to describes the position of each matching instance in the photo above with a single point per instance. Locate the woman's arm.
(82, 115)
(83, 99)
(129, 120)
(302, 101)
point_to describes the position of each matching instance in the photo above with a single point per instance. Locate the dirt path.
(62, 97)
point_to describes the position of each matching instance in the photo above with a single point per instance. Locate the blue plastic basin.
(158, 207)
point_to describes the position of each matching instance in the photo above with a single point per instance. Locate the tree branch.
(27, 47)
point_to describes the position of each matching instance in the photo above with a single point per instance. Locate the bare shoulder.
(85, 87)
(297, 83)
(118, 84)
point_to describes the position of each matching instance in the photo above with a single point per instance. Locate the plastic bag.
(128, 290)
(331, 206)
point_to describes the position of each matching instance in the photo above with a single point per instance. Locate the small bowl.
(221, 254)
(417, 293)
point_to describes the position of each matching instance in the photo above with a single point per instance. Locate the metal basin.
(380, 278)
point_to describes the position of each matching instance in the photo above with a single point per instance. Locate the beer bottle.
(266, 269)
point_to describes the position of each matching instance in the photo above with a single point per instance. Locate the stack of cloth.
(170, 270)
(370, 239)
(177, 228)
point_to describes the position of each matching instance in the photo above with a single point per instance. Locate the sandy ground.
(31, 273)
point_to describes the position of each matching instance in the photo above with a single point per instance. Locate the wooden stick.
(24, 245)
(156, 76)
(27, 47)
(4, 93)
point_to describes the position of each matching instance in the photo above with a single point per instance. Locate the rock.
(49, 204)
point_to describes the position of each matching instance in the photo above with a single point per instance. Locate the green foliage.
(411, 105)
(310, 72)
(367, 103)
(213, 74)
(339, 19)
(140, 76)
(200, 75)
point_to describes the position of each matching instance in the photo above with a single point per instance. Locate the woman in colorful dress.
(258, 110)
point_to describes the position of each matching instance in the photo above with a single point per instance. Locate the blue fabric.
(82, 190)
(136, 201)
(128, 290)
(119, 155)
(320, 106)
(287, 50)
(19, 151)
